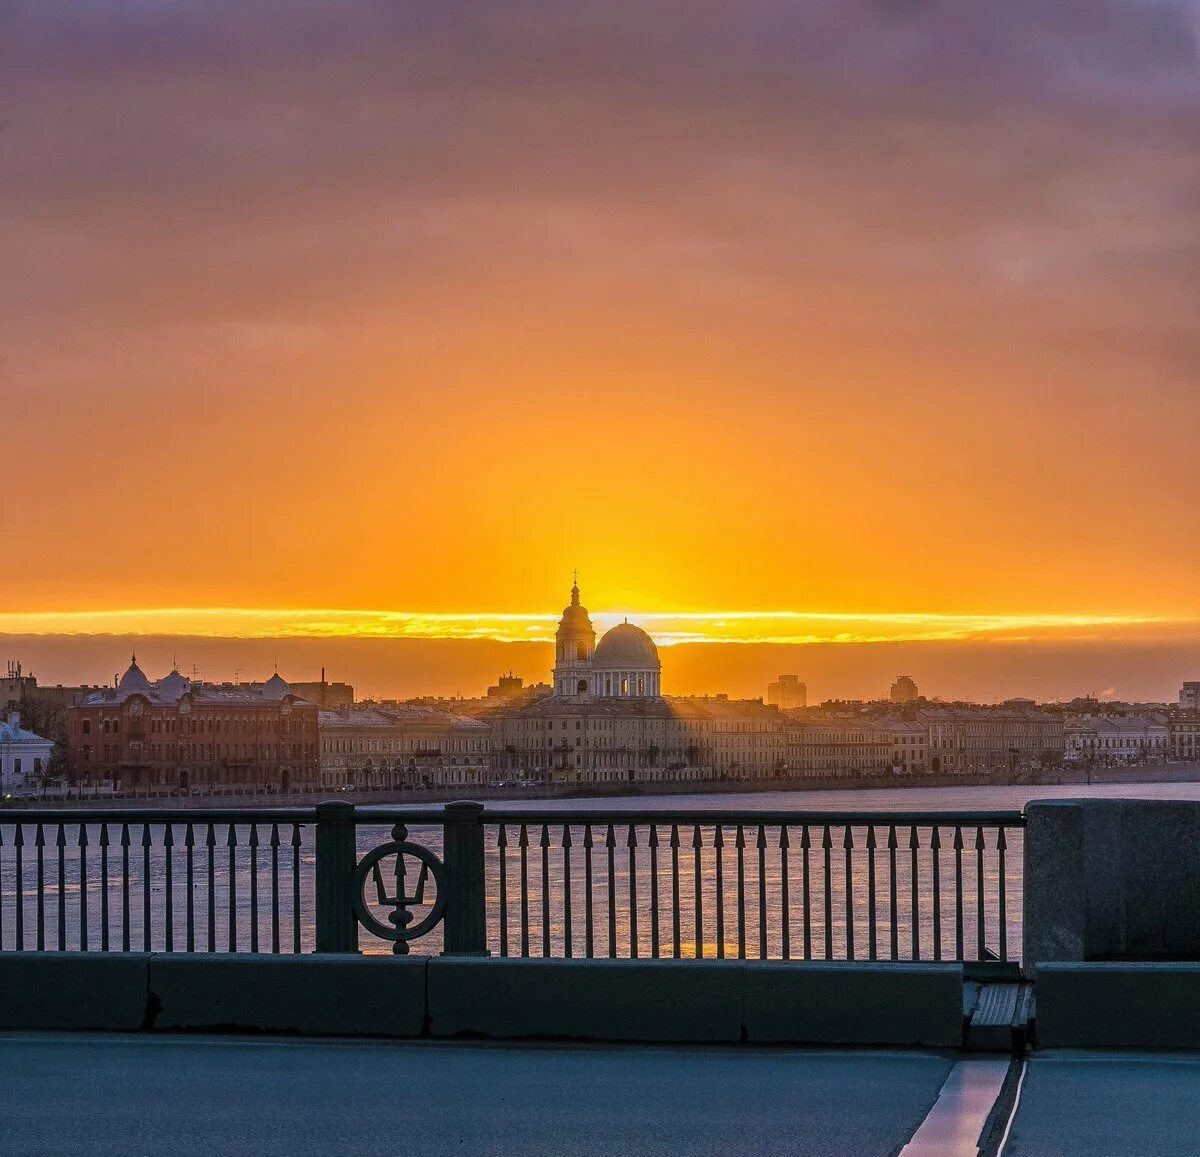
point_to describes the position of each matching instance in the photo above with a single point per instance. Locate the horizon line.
(675, 627)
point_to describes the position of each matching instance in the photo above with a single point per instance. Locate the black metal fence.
(153, 880)
(550, 883)
(815, 886)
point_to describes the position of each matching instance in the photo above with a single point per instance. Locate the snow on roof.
(12, 733)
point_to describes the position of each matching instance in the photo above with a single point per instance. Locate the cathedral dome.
(173, 686)
(626, 646)
(134, 681)
(275, 687)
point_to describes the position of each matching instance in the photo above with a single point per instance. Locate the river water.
(914, 799)
(947, 903)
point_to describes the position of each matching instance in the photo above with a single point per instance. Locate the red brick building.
(170, 734)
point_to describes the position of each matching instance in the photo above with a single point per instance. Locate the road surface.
(213, 1095)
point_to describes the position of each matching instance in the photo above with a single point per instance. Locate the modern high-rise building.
(1189, 696)
(904, 690)
(787, 692)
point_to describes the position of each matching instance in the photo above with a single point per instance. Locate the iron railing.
(779, 885)
(165, 880)
(529, 882)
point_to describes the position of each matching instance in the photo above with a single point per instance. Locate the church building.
(623, 665)
(607, 719)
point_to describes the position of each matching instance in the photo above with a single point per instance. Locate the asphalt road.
(1108, 1105)
(213, 1095)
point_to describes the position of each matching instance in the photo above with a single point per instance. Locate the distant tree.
(49, 720)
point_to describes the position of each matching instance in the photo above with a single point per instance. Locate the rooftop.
(392, 717)
(13, 733)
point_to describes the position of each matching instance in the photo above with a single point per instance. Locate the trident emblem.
(397, 929)
(400, 917)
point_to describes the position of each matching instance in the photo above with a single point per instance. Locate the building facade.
(328, 696)
(739, 738)
(367, 748)
(577, 739)
(910, 746)
(1183, 729)
(1114, 740)
(24, 759)
(838, 747)
(971, 740)
(175, 736)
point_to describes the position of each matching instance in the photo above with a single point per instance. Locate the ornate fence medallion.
(371, 872)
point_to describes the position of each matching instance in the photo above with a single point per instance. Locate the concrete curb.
(609, 1000)
(73, 990)
(315, 994)
(444, 997)
(1118, 1005)
(711, 1001)
(853, 1003)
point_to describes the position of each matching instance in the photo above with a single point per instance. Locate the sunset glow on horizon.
(823, 313)
(667, 629)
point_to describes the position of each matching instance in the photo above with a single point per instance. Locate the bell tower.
(574, 642)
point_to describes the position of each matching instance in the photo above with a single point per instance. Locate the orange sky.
(811, 312)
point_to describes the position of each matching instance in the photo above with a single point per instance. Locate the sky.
(857, 320)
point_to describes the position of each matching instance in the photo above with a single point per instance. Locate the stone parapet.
(322, 994)
(854, 1003)
(74, 990)
(1118, 1005)
(1111, 880)
(669, 1001)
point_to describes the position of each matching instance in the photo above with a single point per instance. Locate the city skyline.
(406, 668)
(394, 655)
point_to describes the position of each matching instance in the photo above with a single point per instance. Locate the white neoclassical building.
(608, 721)
(623, 665)
(24, 758)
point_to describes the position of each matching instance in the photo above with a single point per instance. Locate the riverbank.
(1064, 777)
